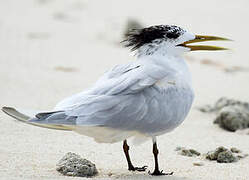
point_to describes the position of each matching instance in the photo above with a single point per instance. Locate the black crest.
(139, 37)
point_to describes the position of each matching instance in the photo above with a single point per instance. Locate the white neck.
(175, 65)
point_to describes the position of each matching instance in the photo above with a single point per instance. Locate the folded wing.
(116, 101)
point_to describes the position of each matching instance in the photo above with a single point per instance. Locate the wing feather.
(117, 100)
(129, 79)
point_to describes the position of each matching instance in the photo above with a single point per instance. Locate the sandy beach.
(51, 49)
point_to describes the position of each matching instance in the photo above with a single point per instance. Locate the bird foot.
(160, 173)
(140, 169)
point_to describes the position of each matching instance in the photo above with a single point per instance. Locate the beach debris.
(225, 68)
(206, 108)
(132, 24)
(223, 102)
(73, 165)
(232, 115)
(187, 152)
(220, 155)
(65, 69)
(213, 155)
(64, 17)
(220, 66)
(234, 69)
(198, 163)
(233, 118)
(224, 155)
(212, 63)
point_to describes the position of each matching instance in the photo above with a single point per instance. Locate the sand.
(51, 49)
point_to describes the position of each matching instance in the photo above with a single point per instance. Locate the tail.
(33, 120)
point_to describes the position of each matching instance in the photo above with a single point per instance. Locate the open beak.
(202, 38)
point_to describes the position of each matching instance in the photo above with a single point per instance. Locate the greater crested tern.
(142, 99)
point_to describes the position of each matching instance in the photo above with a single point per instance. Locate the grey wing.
(117, 100)
(129, 79)
(133, 112)
(124, 97)
(122, 79)
(109, 80)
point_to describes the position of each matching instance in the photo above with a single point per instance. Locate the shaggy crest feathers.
(139, 37)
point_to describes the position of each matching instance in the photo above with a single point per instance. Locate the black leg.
(130, 166)
(156, 171)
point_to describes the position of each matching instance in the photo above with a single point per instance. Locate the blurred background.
(51, 49)
(58, 47)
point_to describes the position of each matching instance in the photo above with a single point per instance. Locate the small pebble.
(198, 163)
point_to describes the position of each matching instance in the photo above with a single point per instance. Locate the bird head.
(167, 39)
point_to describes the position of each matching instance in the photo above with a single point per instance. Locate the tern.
(143, 99)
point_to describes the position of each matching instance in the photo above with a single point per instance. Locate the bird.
(143, 99)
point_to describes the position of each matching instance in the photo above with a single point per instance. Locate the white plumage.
(145, 98)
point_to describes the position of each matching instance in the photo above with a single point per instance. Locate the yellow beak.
(201, 38)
